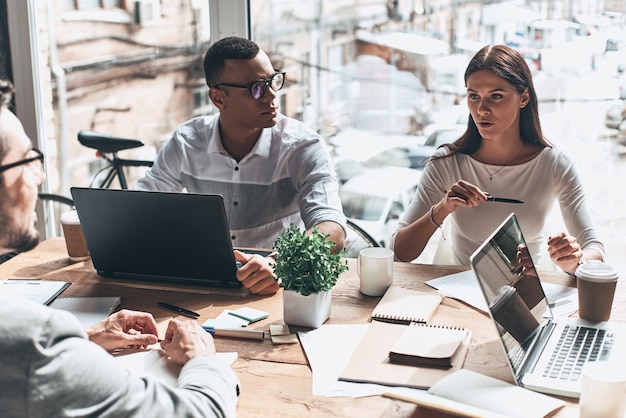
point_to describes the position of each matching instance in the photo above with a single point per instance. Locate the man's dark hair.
(231, 48)
(6, 94)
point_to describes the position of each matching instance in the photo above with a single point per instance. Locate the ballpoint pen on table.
(182, 311)
(251, 334)
(503, 200)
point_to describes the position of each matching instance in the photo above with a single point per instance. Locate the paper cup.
(596, 284)
(74, 238)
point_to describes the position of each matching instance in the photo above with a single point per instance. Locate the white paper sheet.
(328, 349)
(463, 286)
(154, 362)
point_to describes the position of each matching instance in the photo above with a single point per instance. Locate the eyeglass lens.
(37, 163)
(257, 90)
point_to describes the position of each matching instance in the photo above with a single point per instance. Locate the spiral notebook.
(400, 305)
(429, 345)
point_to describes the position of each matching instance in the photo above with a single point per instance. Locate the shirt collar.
(261, 148)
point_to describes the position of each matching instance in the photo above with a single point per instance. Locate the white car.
(439, 136)
(375, 200)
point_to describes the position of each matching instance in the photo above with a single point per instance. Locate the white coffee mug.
(375, 269)
(603, 395)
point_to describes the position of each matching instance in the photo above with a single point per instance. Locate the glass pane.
(88, 4)
(111, 3)
(126, 72)
(362, 206)
(67, 4)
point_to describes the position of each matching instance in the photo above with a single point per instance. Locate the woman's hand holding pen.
(185, 339)
(460, 193)
(464, 194)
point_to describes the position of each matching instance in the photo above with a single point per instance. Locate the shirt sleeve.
(165, 173)
(315, 178)
(70, 376)
(573, 205)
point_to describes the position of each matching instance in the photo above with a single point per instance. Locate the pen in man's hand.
(250, 334)
(182, 311)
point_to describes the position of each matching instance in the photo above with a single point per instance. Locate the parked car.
(615, 115)
(375, 200)
(356, 151)
(441, 135)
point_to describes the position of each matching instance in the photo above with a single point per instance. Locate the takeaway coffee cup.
(375, 269)
(596, 283)
(602, 395)
(511, 312)
(74, 238)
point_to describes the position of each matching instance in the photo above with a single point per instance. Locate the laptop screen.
(157, 236)
(513, 292)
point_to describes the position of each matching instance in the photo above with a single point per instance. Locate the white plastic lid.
(504, 294)
(596, 271)
(70, 217)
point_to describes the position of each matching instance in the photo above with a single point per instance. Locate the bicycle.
(108, 146)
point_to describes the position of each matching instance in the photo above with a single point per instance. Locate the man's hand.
(256, 274)
(124, 329)
(186, 339)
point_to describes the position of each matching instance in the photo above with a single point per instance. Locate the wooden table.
(276, 379)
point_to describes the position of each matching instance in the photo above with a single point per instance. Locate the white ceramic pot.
(306, 311)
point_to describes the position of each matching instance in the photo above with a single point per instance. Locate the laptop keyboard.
(578, 345)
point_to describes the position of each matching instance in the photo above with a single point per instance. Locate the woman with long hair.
(503, 154)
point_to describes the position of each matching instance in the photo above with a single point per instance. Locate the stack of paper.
(40, 291)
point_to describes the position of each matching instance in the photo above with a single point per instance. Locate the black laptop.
(157, 236)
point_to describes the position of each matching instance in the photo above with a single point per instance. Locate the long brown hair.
(508, 64)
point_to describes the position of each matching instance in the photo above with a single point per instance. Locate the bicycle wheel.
(49, 209)
(356, 239)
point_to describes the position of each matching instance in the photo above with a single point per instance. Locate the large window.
(382, 69)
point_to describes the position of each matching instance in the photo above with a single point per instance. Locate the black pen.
(182, 311)
(503, 200)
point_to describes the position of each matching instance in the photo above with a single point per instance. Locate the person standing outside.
(271, 170)
(382, 97)
(50, 366)
(503, 153)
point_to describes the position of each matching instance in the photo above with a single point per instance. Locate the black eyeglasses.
(35, 160)
(258, 88)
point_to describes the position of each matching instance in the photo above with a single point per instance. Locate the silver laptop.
(157, 236)
(546, 354)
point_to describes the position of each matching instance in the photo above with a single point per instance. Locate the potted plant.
(307, 270)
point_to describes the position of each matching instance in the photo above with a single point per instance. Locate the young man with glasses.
(50, 366)
(271, 170)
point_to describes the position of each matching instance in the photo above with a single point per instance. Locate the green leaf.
(305, 263)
